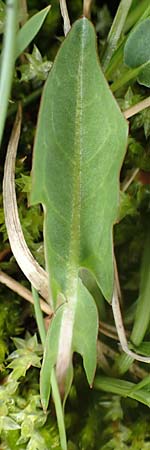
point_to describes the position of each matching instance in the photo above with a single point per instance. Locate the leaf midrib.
(74, 250)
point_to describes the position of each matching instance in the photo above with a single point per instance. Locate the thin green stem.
(122, 388)
(59, 411)
(115, 31)
(145, 14)
(8, 59)
(142, 315)
(116, 60)
(139, 12)
(39, 315)
(117, 56)
(55, 390)
(129, 75)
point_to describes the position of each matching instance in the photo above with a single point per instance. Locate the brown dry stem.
(87, 8)
(130, 112)
(32, 270)
(17, 287)
(65, 16)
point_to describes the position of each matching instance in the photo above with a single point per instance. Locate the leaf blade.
(122, 388)
(27, 33)
(62, 159)
(79, 122)
(139, 39)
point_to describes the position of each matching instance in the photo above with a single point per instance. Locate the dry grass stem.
(108, 330)
(65, 16)
(4, 253)
(117, 280)
(87, 8)
(129, 180)
(24, 12)
(121, 331)
(134, 369)
(130, 112)
(22, 291)
(32, 270)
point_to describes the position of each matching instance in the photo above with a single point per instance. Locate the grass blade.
(8, 59)
(122, 388)
(115, 31)
(142, 316)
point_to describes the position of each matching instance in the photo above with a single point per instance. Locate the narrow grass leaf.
(142, 315)
(7, 59)
(27, 33)
(122, 388)
(115, 31)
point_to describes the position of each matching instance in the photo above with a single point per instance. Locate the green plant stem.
(115, 31)
(145, 14)
(116, 59)
(122, 388)
(8, 59)
(136, 14)
(142, 315)
(59, 411)
(39, 316)
(129, 75)
(117, 56)
(55, 390)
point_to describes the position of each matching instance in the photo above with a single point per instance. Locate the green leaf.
(79, 147)
(85, 330)
(128, 206)
(143, 348)
(36, 67)
(50, 354)
(25, 356)
(122, 388)
(144, 76)
(27, 33)
(142, 315)
(36, 442)
(115, 31)
(137, 51)
(83, 341)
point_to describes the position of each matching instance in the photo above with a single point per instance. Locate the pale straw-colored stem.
(87, 8)
(65, 16)
(32, 270)
(130, 112)
(128, 181)
(21, 290)
(24, 12)
(121, 331)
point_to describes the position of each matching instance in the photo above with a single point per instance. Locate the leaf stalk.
(54, 384)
